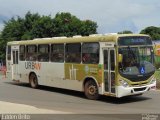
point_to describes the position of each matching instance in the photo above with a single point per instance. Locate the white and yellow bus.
(113, 64)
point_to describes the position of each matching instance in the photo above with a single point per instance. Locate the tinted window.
(22, 53)
(57, 53)
(31, 53)
(43, 53)
(73, 53)
(90, 53)
(9, 53)
(112, 59)
(136, 40)
(15, 57)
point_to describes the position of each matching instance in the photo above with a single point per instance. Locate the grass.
(157, 75)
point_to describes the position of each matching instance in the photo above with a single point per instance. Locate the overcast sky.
(110, 15)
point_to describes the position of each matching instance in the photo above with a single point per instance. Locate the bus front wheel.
(91, 90)
(33, 80)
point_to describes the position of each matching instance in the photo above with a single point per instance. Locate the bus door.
(14, 59)
(109, 70)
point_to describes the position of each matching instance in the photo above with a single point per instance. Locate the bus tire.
(91, 90)
(33, 80)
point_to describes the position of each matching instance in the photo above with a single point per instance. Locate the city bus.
(115, 65)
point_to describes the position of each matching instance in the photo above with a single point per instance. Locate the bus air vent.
(139, 89)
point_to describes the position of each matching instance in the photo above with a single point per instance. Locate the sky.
(111, 15)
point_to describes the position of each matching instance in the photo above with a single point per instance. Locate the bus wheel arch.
(33, 80)
(90, 88)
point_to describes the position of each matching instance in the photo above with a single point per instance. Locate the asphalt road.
(76, 103)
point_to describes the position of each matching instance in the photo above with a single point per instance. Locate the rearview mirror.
(120, 58)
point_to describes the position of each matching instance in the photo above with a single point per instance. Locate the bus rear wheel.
(33, 80)
(91, 90)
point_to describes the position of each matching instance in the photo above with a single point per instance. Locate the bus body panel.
(81, 71)
(122, 91)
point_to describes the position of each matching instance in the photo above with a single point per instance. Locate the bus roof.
(75, 39)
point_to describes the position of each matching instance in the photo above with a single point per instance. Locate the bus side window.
(43, 53)
(73, 53)
(31, 53)
(90, 53)
(22, 53)
(57, 53)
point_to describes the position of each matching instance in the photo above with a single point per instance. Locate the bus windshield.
(137, 61)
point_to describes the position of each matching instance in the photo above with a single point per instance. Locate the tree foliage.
(36, 26)
(154, 32)
(2, 48)
(125, 32)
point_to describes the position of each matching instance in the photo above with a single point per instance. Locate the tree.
(66, 24)
(69, 25)
(29, 23)
(154, 32)
(19, 28)
(43, 27)
(88, 27)
(36, 26)
(2, 47)
(13, 29)
(126, 32)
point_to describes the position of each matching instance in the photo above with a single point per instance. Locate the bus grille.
(139, 89)
(138, 79)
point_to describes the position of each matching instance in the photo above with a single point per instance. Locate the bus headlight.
(124, 83)
(153, 80)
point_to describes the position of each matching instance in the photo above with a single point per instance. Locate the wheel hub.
(92, 90)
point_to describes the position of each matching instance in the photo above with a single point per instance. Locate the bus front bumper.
(126, 91)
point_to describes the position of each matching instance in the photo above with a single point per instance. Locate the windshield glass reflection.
(136, 60)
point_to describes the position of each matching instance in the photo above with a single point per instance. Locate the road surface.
(76, 103)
